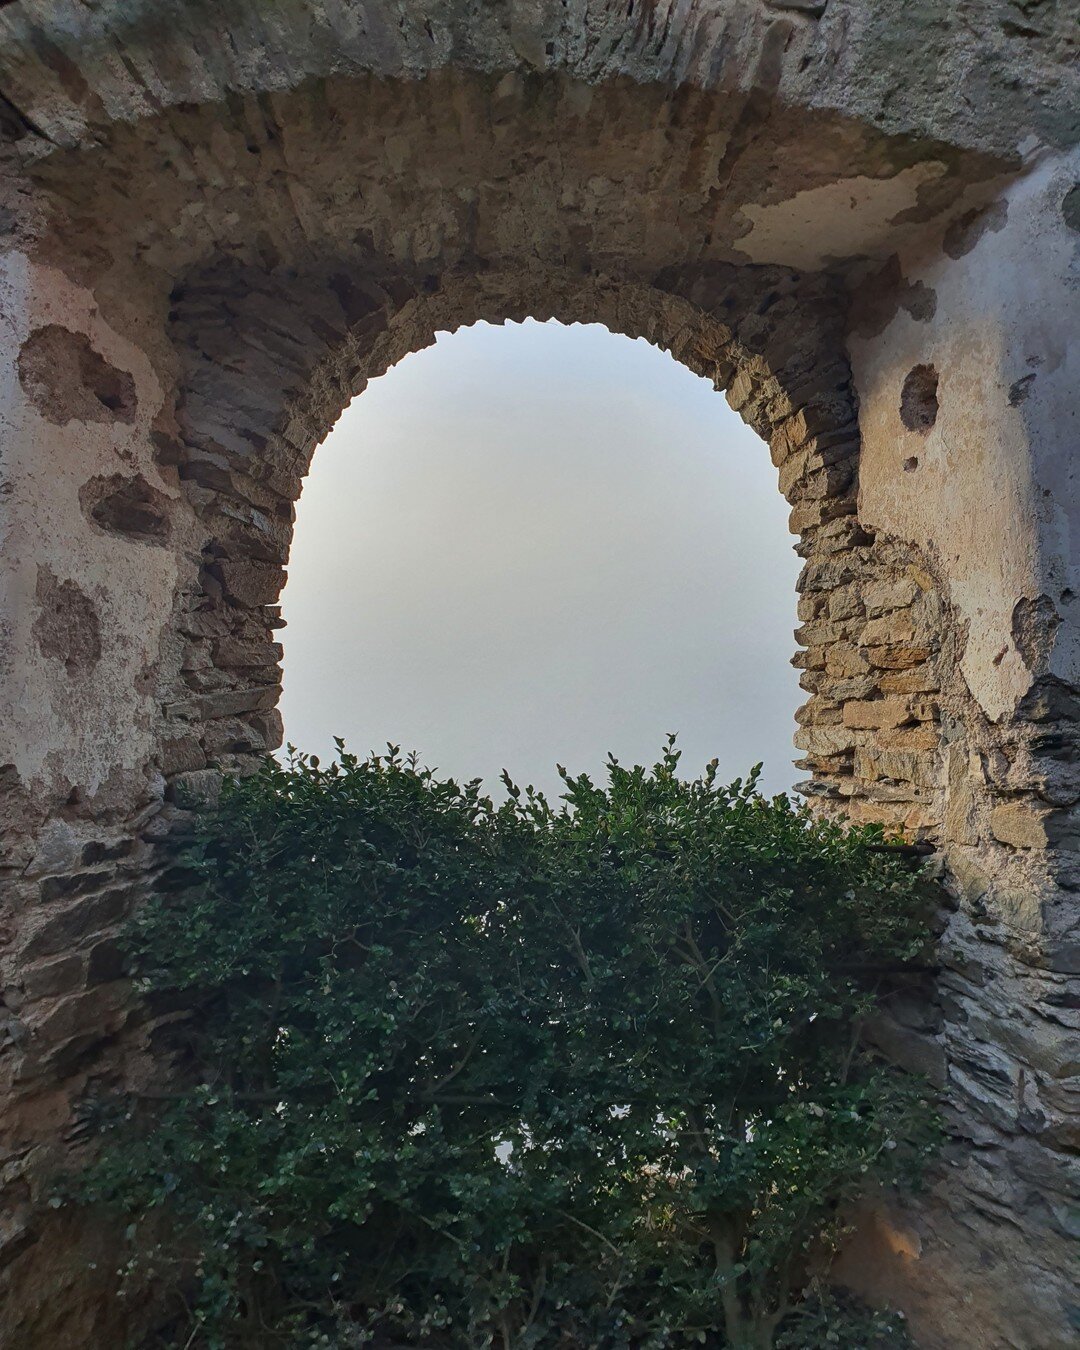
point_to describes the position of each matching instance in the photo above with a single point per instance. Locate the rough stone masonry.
(860, 220)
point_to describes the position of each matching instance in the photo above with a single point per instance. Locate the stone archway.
(218, 227)
(243, 472)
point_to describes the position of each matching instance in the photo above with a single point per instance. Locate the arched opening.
(534, 543)
(270, 361)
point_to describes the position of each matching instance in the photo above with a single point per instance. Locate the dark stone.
(251, 584)
(67, 627)
(61, 976)
(181, 754)
(233, 654)
(98, 851)
(15, 1237)
(1034, 626)
(78, 883)
(231, 702)
(127, 506)
(106, 963)
(78, 921)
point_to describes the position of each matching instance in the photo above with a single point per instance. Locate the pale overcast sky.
(533, 544)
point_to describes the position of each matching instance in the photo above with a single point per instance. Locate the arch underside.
(199, 282)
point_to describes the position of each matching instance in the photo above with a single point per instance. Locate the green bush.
(458, 1074)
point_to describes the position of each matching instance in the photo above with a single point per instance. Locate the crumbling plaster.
(47, 711)
(991, 487)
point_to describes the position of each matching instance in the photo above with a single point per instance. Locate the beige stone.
(882, 712)
(921, 737)
(1020, 825)
(845, 659)
(909, 766)
(961, 802)
(897, 658)
(824, 740)
(881, 596)
(891, 629)
(919, 680)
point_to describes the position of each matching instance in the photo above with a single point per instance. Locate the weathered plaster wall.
(216, 222)
(84, 610)
(986, 490)
(997, 330)
(73, 583)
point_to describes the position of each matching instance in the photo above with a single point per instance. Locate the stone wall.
(860, 222)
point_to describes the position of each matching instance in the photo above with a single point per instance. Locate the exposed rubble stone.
(68, 381)
(67, 626)
(128, 506)
(919, 399)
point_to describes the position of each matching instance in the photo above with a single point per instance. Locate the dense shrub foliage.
(463, 1074)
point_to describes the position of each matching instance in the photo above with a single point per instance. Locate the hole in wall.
(66, 380)
(126, 505)
(532, 544)
(919, 399)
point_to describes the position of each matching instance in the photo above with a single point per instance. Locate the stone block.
(231, 735)
(897, 658)
(889, 630)
(61, 976)
(74, 883)
(824, 740)
(916, 1051)
(105, 963)
(882, 596)
(811, 659)
(814, 8)
(880, 712)
(908, 766)
(232, 653)
(74, 1026)
(820, 633)
(845, 659)
(808, 515)
(231, 702)
(845, 603)
(920, 679)
(70, 927)
(207, 681)
(1020, 825)
(57, 850)
(181, 754)
(202, 786)
(918, 738)
(16, 1236)
(250, 583)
